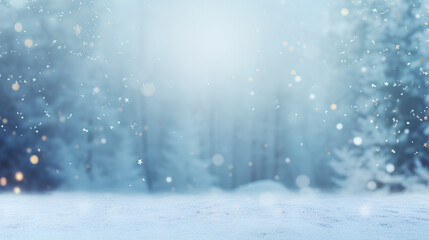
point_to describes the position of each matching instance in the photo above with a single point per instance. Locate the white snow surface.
(271, 214)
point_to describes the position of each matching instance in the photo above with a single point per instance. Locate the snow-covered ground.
(253, 213)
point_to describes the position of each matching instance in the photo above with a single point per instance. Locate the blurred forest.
(145, 96)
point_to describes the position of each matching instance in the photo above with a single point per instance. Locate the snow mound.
(261, 187)
(268, 215)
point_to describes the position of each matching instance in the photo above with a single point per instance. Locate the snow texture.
(217, 215)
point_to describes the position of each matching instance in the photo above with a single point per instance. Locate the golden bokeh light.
(17, 190)
(19, 176)
(333, 107)
(44, 138)
(15, 86)
(3, 181)
(28, 43)
(34, 159)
